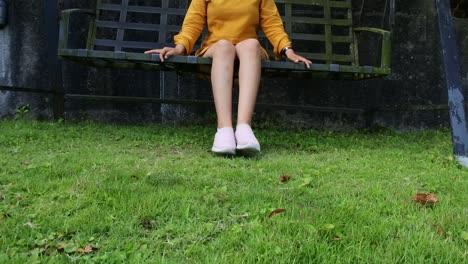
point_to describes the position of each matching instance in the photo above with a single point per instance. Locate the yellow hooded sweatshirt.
(232, 20)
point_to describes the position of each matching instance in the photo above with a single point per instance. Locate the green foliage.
(22, 111)
(150, 194)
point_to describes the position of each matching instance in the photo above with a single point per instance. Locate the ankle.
(243, 126)
(225, 127)
(225, 130)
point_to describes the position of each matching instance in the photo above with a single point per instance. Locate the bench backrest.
(320, 29)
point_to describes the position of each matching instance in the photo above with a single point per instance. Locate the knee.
(225, 47)
(250, 46)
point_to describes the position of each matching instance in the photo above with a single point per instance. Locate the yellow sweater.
(232, 20)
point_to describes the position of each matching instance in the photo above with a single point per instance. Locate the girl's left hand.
(292, 56)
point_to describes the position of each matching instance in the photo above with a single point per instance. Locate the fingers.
(157, 51)
(296, 59)
(170, 53)
(164, 53)
(153, 51)
(161, 54)
(307, 62)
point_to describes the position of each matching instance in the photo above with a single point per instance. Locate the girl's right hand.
(167, 52)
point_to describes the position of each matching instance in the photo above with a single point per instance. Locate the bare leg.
(250, 55)
(223, 54)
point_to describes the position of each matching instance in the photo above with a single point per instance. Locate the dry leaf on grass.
(284, 178)
(440, 230)
(277, 211)
(425, 199)
(86, 250)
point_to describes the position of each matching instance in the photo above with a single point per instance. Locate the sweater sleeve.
(272, 26)
(193, 25)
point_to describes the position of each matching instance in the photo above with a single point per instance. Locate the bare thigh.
(220, 46)
(250, 46)
(209, 53)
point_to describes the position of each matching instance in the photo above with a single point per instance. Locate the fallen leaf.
(425, 199)
(440, 230)
(86, 250)
(284, 178)
(277, 211)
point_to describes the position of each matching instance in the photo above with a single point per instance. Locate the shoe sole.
(223, 151)
(248, 148)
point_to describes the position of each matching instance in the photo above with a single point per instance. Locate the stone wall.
(23, 59)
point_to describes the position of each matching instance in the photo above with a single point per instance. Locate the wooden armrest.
(373, 30)
(65, 24)
(385, 60)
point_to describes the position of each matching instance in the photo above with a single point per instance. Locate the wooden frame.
(300, 18)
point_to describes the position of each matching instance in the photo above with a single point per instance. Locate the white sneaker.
(224, 142)
(246, 140)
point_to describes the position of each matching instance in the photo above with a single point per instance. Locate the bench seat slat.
(127, 44)
(339, 4)
(311, 37)
(333, 57)
(322, 21)
(342, 39)
(140, 58)
(145, 9)
(136, 26)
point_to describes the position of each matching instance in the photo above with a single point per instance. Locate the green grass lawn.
(153, 194)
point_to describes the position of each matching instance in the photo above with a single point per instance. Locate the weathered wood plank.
(146, 9)
(339, 4)
(328, 31)
(136, 26)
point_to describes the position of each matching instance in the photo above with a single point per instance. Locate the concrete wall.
(23, 59)
(404, 100)
(410, 98)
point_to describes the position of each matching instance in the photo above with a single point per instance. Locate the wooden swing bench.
(321, 30)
